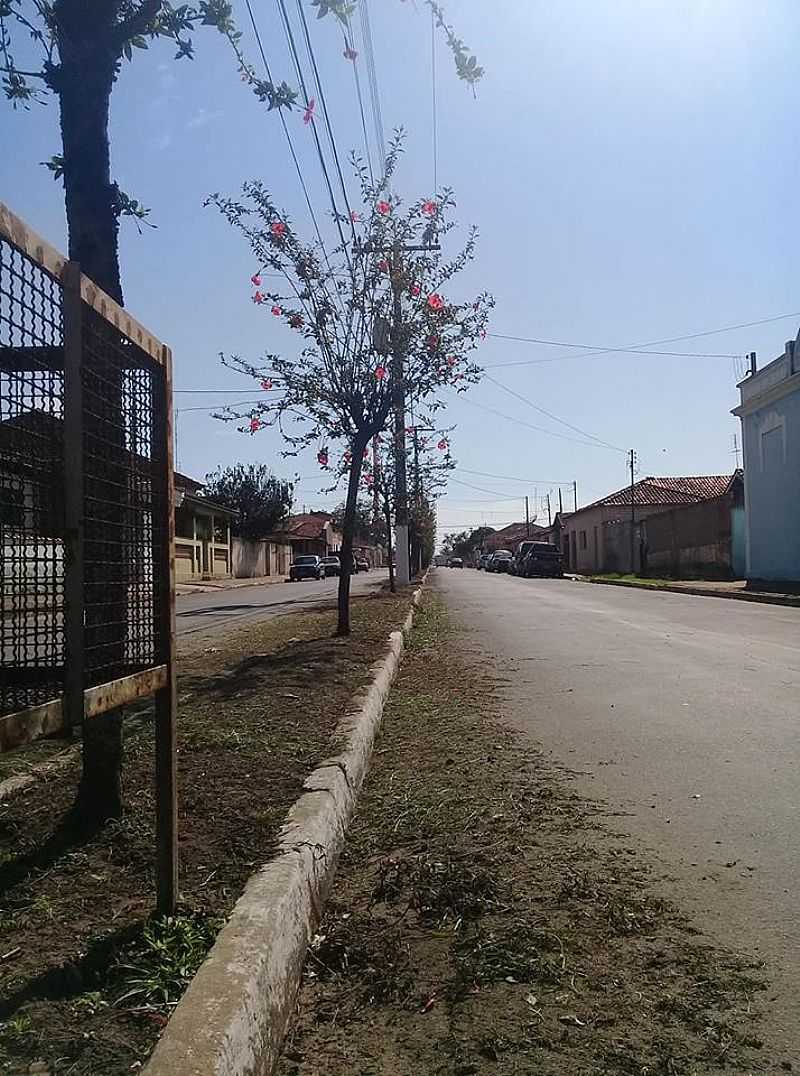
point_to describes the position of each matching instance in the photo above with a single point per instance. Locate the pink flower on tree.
(350, 54)
(383, 266)
(296, 321)
(365, 453)
(278, 229)
(451, 360)
(255, 425)
(308, 115)
(432, 342)
(442, 444)
(322, 457)
(414, 289)
(355, 216)
(380, 373)
(384, 208)
(429, 208)
(276, 310)
(266, 384)
(255, 279)
(435, 302)
(258, 297)
(347, 456)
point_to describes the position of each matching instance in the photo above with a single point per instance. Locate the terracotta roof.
(191, 485)
(307, 525)
(668, 491)
(509, 537)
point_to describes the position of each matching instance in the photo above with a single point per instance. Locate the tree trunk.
(348, 529)
(84, 79)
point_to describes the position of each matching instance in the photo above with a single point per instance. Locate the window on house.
(12, 505)
(583, 539)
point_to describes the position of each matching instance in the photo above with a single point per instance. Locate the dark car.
(306, 568)
(455, 562)
(542, 559)
(362, 564)
(520, 553)
(500, 561)
(332, 565)
(483, 561)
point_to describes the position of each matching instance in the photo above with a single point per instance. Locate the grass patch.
(89, 978)
(485, 921)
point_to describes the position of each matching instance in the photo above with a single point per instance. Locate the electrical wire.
(288, 136)
(361, 103)
(510, 478)
(337, 216)
(372, 77)
(531, 426)
(549, 414)
(634, 348)
(329, 127)
(433, 105)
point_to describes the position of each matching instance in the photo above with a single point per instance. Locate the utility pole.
(527, 519)
(575, 495)
(549, 517)
(632, 463)
(417, 500)
(560, 505)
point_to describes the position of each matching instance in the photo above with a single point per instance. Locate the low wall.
(693, 539)
(257, 559)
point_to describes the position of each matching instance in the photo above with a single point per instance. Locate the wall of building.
(599, 538)
(694, 539)
(257, 559)
(771, 437)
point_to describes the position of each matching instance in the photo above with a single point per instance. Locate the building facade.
(769, 410)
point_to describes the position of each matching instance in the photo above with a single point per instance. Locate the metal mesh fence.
(31, 482)
(123, 459)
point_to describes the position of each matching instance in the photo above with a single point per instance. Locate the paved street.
(682, 713)
(208, 614)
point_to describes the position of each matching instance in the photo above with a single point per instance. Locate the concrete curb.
(704, 592)
(232, 1019)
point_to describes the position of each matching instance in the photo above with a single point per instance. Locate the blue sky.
(631, 165)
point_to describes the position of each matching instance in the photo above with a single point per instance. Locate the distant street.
(682, 714)
(208, 614)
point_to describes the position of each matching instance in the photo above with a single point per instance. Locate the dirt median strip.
(485, 919)
(87, 978)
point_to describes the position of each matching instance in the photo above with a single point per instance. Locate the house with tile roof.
(597, 537)
(509, 537)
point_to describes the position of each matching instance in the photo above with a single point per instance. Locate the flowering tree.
(336, 392)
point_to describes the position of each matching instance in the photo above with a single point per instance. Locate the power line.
(318, 82)
(288, 135)
(480, 489)
(531, 426)
(433, 105)
(360, 98)
(337, 216)
(509, 478)
(372, 78)
(555, 418)
(634, 348)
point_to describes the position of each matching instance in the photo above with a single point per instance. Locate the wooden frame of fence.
(77, 703)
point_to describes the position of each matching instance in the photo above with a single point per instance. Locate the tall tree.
(261, 501)
(77, 51)
(338, 390)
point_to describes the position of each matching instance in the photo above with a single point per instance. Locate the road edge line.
(786, 600)
(232, 1019)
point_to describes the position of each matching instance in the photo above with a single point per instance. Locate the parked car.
(520, 553)
(332, 564)
(455, 562)
(362, 564)
(483, 561)
(542, 559)
(308, 567)
(500, 561)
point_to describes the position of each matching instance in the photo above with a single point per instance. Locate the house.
(614, 533)
(203, 547)
(769, 410)
(311, 532)
(510, 537)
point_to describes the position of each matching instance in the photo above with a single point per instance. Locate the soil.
(488, 920)
(87, 977)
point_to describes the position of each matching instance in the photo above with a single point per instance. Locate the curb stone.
(762, 597)
(232, 1019)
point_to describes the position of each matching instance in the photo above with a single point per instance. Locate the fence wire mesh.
(31, 483)
(125, 492)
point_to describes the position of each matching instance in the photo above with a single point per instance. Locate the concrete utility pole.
(549, 517)
(736, 450)
(632, 462)
(575, 495)
(527, 519)
(560, 505)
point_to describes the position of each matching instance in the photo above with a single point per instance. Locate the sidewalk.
(206, 586)
(736, 589)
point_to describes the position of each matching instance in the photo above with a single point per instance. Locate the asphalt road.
(208, 615)
(682, 713)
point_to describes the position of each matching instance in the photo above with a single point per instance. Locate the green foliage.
(467, 66)
(339, 8)
(465, 543)
(162, 964)
(261, 500)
